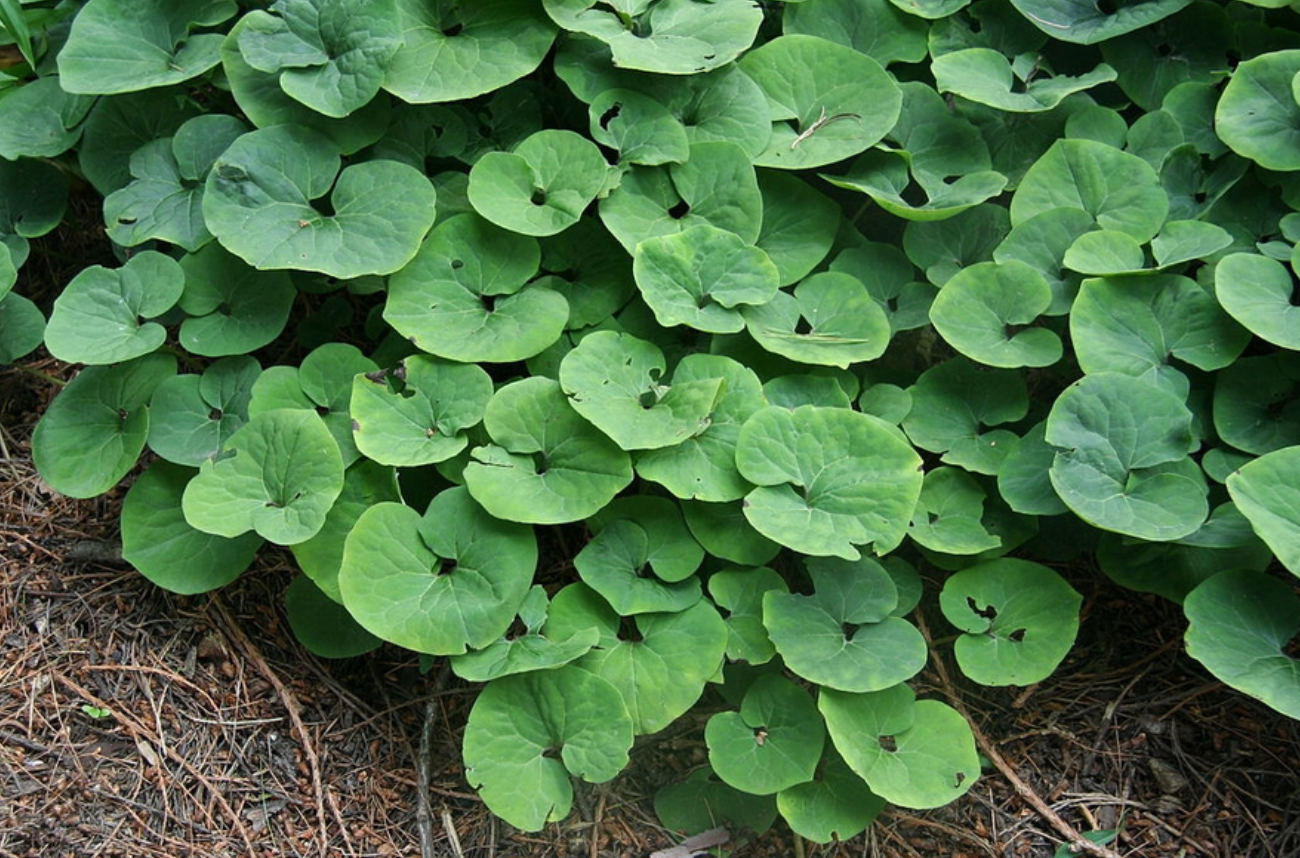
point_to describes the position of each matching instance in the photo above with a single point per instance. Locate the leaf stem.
(43, 376)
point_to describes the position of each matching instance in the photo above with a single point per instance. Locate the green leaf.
(466, 296)
(828, 479)
(830, 319)
(912, 753)
(1123, 443)
(930, 9)
(162, 546)
(1182, 241)
(884, 176)
(702, 802)
(1268, 494)
(986, 76)
(844, 635)
(418, 414)
(1257, 292)
(678, 37)
(638, 127)
(231, 309)
(1085, 22)
(701, 276)
(836, 806)
(616, 382)
(547, 465)
(703, 466)
(164, 200)
(258, 203)
(1105, 251)
(1134, 325)
(725, 532)
(799, 224)
(952, 400)
(92, 433)
(22, 327)
(890, 279)
(827, 102)
(1118, 190)
(942, 248)
(40, 120)
(322, 625)
(673, 554)
(1019, 620)
(542, 186)
(365, 484)
(1240, 624)
(328, 54)
(532, 651)
(1256, 407)
(1041, 242)
(278, 475)
(452, 51)
(438, 583)
(33, 195)
(740, 593)
(528, 733)
(772, 743)
(716, 186)
(1023, 481)
(193, 416)
(613, 565)
(1258, 116)
(976, 308)
(876, 28)
(127, 45)
(98, 317)
(118, 125)
(949, 516)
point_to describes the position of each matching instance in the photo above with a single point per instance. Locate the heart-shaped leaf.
(259, 195)
(911, 753)
(986, 76)
(1240, 624)
(92, 433)
(702, 802)
(614, 563)
(835, 806)
(951, 401)
(464, 296)
(165, 548)
(772, 743)
(1257, 291)
(1256, 408)
(193, 416)
(322, 625)
(641, 129)
(231, 309)
(1019, 619)
(98, 319)
(829, 319)
(876, 28)
(740, 592)
(1258, 116)
(22, 327)
(128, 45)
(828, 479)
(673, 554)
(542, 186)
(278, 475)
(844, 635)
(438, 583)
(532, 651)
(547, 464)
(521, 724)
(40, 120)
(949, 516)
(976, 308)
(725, 532)
(1266, 491)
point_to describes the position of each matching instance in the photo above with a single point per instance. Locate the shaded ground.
(138, 723)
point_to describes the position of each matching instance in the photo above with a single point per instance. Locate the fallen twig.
(694, 845)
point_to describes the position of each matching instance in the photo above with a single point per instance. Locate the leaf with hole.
(418, 414)
(772, 743)
(541, 186)
(949, 515)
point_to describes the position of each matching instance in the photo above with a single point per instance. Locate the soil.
(134, 722)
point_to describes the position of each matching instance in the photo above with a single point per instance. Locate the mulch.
(134, 722)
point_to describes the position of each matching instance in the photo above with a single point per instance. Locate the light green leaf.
(827, 101)
(844, 635)
(772, 743)
(1041, 242)
(231, 308)
(1258, 116)
(701, 276)
(529, 652)
(613, 565)
(725, 532)
(547, 465)
(92, 433)
(986, 76)
(830, 319)
(542, 186)
(835, 806)
(918, 754)
(944, 247)
(22, 327)
(162, 546)
(616, 382)
(876, 28)
(40, 120)
(193, 416)
(1240, 624)
(98, 319)
(828, 479)
(1086, 22)
(977, 310)
(1182, 241)
(1019, 620)
(1023, 481)
(952, 400)
(949, 517)
(258, 203)
(799, 224)
(464, 296)
(1105, 251)
(520, 725)
(1257, 292)
(278, 475)
(438, 583)
(884, 176)
(1268, 493)
(418, 414)
(672, 553)
(127, 45)
(638, 127)
(740, 593)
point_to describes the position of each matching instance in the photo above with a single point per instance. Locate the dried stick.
(140, 733)
(291, 705)
(1078, 843)
(424, 773)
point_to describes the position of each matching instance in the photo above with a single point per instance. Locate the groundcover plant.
(779, 308)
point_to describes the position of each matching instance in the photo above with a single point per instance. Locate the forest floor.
(137, 723)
